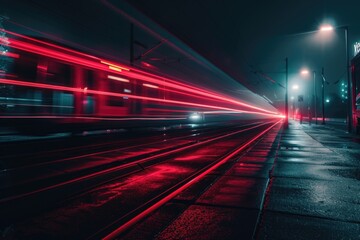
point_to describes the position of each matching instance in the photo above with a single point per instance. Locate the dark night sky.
(239, 37)
(243, 37)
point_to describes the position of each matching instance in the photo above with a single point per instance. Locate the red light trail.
(75, 57)
(71, 89)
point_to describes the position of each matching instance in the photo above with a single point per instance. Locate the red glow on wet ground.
(188, 158)
(119, 230)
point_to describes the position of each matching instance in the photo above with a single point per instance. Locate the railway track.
(219, 148)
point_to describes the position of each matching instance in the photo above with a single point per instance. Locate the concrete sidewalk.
(314, 188)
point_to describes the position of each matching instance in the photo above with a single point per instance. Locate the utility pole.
(315, 107)
(286, 95)
(322, 95)
(309, 104)
(349, 83)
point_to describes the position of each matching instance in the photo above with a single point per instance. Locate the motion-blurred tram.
(47, 87)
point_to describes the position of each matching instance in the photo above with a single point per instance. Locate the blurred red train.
(47, 87)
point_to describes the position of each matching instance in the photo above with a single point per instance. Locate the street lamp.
(328, 27)
(295, 88)
(305, 72)
(286, 125)
(293, 106)
(322, 95)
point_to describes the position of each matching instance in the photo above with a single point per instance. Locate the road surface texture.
(299, 183)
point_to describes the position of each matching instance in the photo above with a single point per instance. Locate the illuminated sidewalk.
(314, 187)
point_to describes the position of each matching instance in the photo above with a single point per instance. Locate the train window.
(89, 105)
(59, 74)
(118, 87)
(151, 90)
(89, 79)
(116, 102)
(62, 103)
(25, 68)
(20, 100)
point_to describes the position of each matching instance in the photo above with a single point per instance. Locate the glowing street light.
(304, 72)
(295, 87)
(293, 106)
(327, 28)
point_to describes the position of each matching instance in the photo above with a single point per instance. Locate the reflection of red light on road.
(187, 158)
(118, 231)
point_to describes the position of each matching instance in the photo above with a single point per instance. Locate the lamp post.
(315, 109)
(297, 91)
(322, 95)
(349, 110)
(305, 72)
(349, 102)
(286, 125)
(293, 107)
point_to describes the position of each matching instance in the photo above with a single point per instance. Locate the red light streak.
(196, 91)
(34, 105)
(136, 74)
(114, 8)
(3, 74)
(118, 78)
(115, 68)
(12, 55)
(148, 65)
(55, 54)
(114, 65)
(185, 87)
(71, 89)
(48, 44)
(150, 85)
(155, 118)
(191, 95)
(223, 112)
(42, 68)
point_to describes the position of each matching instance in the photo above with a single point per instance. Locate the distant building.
(355, 91)
(343, 92)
